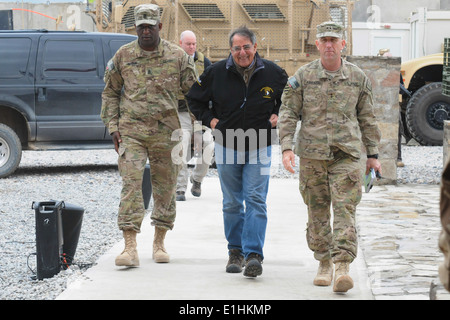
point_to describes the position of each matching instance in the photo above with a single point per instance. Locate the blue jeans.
(244, 179)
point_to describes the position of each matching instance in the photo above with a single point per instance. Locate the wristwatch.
(375, 156)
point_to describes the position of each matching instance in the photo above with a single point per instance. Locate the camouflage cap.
(329, 29)
(146, 13)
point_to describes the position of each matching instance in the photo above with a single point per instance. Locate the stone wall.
(384, 73)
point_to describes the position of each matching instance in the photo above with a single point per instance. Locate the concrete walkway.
(198, 251)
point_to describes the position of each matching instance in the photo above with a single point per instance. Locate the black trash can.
(49, 238)
(147, 186)
(58, 227)
(72, 218)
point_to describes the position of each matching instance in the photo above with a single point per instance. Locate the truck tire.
(10, 151)
(425, 114)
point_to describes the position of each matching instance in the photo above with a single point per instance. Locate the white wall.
(392, 11)
(368, 39)
(428, 30)
(417, 27)
(44, 15)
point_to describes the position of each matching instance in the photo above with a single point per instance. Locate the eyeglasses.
(247, 47)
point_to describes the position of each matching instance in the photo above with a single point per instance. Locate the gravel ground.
(423, 165)
(90, 179)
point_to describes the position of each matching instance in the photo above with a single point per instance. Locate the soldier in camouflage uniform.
(192, 129)
(333, 99)
(444, 237)
(139, 107)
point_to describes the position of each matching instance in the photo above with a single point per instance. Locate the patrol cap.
(329, 29)
(146, 14)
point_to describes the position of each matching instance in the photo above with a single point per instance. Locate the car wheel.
(10, 151)
(425, 114)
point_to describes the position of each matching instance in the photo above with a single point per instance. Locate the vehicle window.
(69, 59)
(116, 44)
(14, 54)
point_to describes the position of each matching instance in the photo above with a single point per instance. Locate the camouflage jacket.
(201, 63)
(150, 81)
(335, 112)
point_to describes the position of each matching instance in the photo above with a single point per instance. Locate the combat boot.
(129, 256)
(159, 252)
(342, 281)
(324, 274)
(196, 189)
(180, 196)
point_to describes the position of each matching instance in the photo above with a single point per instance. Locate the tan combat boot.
(129, 256)
(342, 281)
(159, 252)
(324, 274)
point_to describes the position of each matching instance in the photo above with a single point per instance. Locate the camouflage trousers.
(335, 182)
(133, 154)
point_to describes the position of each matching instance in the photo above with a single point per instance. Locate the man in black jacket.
(245, 91)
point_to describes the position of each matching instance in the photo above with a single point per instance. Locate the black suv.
(50, 91)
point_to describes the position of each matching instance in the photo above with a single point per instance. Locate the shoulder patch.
(110, 65)
(293, 83)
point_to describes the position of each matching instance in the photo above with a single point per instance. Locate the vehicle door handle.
(42, 94)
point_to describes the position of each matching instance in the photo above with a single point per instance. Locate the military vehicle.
(285, 29)
(426, 107)
(50, 91)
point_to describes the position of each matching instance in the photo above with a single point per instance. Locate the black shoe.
(253, 265)
(180, 196)
(235, 261)
(196, 189)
